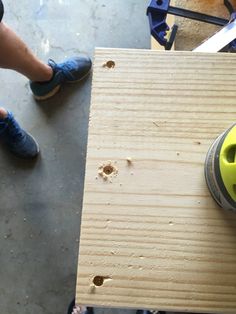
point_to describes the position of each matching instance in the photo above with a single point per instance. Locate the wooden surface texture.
(151, 235)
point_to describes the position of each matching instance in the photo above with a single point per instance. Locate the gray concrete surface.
(41, 201)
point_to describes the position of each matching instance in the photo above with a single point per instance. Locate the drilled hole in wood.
(98, 281)
(110, 64)
(108, 170)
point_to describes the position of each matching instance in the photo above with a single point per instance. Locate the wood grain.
(153, 231)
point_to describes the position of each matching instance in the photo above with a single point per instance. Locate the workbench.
(151, 235)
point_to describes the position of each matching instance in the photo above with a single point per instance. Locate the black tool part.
(173, 33)
(229, 6)
(197, 16)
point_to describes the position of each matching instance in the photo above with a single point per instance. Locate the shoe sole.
(49, 95)
(57, 88)
(37, 145)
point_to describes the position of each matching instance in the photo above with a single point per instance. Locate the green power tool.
(220, 169)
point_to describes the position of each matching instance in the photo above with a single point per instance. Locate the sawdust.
(129, 161)
(192, 33)
(91, 290)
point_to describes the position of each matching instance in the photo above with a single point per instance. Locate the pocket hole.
(98, 281)
(108, 170)
(159, 2)
(110, 64)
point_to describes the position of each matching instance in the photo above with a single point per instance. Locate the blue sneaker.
(16, 139)
(71, 70)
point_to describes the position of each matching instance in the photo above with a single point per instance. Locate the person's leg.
(15, 55)
(17, 140)
(45, 79)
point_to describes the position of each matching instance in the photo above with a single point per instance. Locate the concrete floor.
(41, 201)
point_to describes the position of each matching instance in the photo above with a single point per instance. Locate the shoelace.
(13, 128)
(65, 68)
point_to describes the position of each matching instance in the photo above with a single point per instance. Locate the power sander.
(220, 169)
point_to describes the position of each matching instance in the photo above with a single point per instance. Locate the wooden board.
(152, 231)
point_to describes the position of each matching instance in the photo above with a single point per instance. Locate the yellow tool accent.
(227, 161)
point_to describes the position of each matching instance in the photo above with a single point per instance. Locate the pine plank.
(153, 231)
